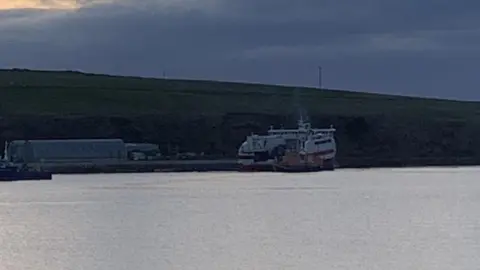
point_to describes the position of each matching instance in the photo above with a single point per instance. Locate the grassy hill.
(45, 92)
(214, 117)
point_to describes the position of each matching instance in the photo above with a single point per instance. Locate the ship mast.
(302, 116)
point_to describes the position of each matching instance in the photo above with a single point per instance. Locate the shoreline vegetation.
(213, 118)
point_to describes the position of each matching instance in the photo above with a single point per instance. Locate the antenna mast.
(301, 112)
(319, 77)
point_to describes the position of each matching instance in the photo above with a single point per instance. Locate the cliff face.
(374, 138)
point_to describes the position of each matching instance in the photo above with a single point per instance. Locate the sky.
(423, 48)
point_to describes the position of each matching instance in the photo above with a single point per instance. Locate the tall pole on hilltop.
(319, 77)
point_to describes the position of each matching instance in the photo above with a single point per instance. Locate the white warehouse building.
(74, 150)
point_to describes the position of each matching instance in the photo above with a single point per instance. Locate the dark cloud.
(425, 47)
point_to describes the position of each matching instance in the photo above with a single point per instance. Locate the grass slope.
(214, 117)
(65, 93)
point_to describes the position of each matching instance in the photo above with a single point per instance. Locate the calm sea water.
(349, 219)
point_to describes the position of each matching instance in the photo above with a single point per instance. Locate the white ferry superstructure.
(289, 150)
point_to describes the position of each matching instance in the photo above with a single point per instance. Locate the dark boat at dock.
(11, 172)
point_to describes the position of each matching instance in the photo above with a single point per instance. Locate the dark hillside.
(214, 117)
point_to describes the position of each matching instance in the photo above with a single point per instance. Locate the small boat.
(11, 172)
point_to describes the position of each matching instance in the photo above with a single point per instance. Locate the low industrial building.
(73, 150)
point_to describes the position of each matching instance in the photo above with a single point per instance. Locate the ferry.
(304, 149)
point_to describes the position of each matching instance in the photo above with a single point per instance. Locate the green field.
(214, 117)
(63, 93)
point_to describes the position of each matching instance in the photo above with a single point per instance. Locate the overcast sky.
(412, 47)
